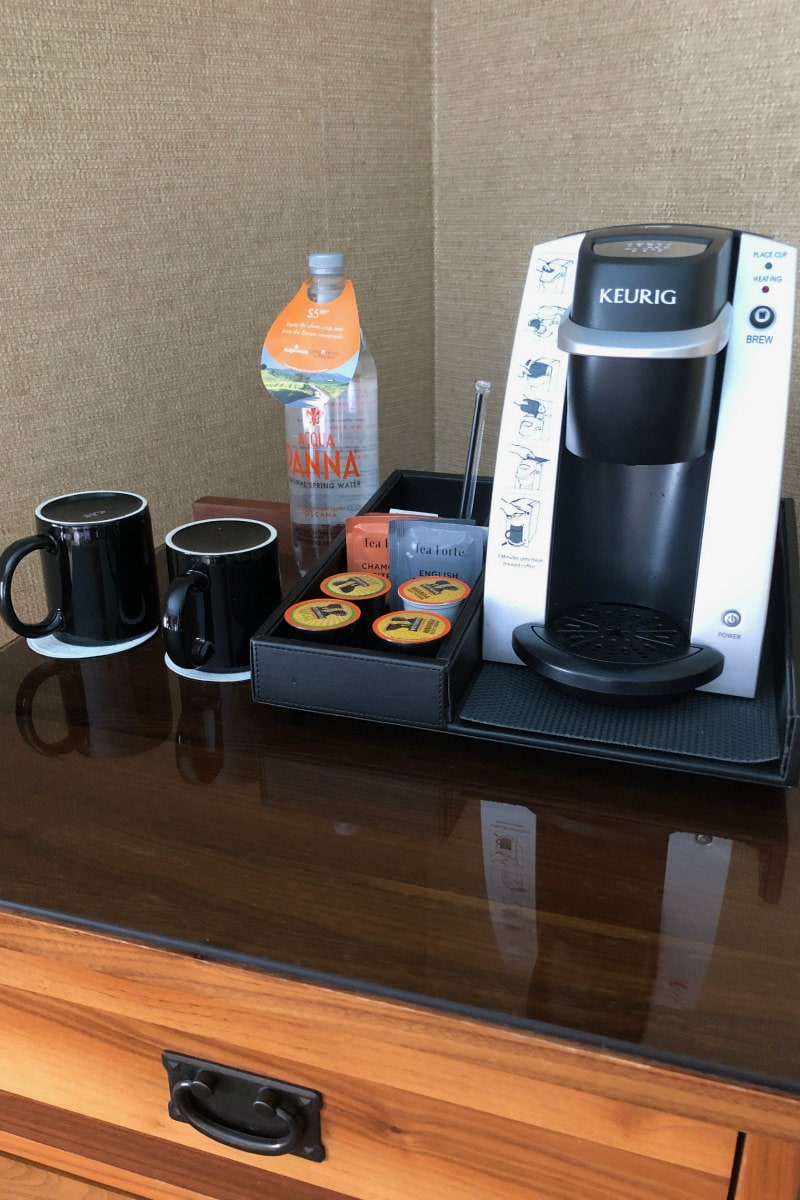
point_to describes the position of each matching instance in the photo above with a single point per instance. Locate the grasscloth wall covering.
(165, 170)
(166, 167)
(553, 117)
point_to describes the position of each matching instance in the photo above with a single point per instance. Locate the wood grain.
(113, 1177)
(123, 978)
(20, 1180)
(769, 1170)
(427, 1103)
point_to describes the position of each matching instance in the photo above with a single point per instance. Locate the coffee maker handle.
(9, 561)
(185, 650)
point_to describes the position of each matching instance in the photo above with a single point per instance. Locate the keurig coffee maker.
(658, 451)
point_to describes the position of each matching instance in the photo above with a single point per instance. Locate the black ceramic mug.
(224, 580)
(99, 568)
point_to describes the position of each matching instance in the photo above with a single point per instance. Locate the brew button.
(762, 317)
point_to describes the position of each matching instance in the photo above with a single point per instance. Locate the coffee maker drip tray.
(616, 654)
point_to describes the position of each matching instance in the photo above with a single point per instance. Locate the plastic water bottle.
(331, 451)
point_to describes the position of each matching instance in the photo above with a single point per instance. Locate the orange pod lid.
(434, 590)
(322, 614)
(409, 629)
(355, 585)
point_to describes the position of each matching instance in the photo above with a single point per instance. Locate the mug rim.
(39, 512)
(273, 533)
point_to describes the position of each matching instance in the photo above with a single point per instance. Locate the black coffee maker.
(646, 339)
(642, 436)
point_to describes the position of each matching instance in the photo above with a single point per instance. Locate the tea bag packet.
(452, 549)
(367, 539)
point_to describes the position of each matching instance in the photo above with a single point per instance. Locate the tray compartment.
(353, 681)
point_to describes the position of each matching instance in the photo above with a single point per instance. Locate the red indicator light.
(765, 288)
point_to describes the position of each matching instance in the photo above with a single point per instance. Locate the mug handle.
(9, 561)
(26, 693)
(175, 636)
(199, 764)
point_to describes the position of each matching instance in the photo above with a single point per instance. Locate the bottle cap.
(331, 263)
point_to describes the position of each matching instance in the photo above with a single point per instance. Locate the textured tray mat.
(702, 725)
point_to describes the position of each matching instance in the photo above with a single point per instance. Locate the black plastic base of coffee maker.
(616, 654)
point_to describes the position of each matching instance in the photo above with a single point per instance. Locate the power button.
(762, 317)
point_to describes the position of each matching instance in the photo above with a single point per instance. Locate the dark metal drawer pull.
(247, 1112)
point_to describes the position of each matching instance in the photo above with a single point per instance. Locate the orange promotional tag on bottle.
(311, 350)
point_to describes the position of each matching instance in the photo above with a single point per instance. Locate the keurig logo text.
(638, 296)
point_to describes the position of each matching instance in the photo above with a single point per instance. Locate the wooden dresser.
(507, 974)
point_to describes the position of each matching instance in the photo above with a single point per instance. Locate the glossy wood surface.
(526, 888)
(416, 1103)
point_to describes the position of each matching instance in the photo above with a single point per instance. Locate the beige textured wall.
(553, 117)
(165, 170)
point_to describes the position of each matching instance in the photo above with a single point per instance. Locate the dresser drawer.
(20, 1180)
(416, 1104)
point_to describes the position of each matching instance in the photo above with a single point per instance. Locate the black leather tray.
(456, 692)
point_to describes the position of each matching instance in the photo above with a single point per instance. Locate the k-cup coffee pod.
(367, 590)
(411, 632)
(434, 593)
(324, 619)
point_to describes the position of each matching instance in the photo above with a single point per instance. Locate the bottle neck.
(323, 288)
